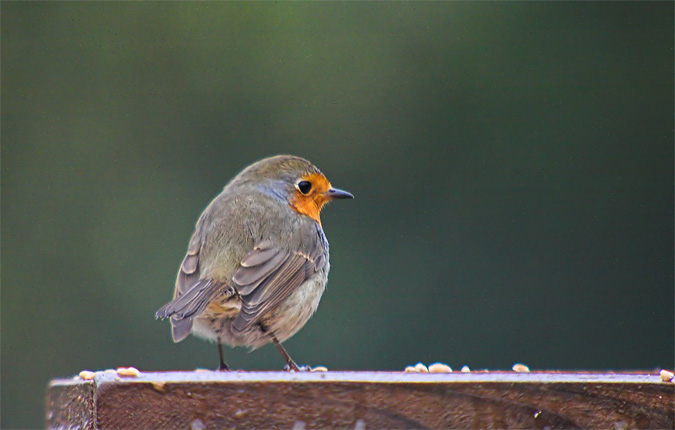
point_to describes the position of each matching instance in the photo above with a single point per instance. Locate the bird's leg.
(289, 361)
(222, 365)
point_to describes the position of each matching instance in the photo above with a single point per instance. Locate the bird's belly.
(214, 323)
(284, 321)
(292, 314)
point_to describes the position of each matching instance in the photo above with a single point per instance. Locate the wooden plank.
(362, 400)
(71, 404)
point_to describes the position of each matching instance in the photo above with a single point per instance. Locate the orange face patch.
(310, 204)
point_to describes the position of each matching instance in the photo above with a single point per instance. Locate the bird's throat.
(308, 206)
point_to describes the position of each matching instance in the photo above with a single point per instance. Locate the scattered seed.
(410, 369)
(319, 369)
(666, 376)
(439, 368)
(128, 371)
(87, 375)
(520, 368)
(421, 368)
(465, 369)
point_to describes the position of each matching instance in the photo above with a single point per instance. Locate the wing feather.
(268, 275)
(257, 258)
(249, 278)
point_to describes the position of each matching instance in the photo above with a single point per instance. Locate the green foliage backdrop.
(512, 165)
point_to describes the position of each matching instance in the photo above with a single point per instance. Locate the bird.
(257, 263)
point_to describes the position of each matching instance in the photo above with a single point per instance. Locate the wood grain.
(362, 400)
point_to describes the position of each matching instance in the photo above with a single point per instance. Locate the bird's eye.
(305, 187)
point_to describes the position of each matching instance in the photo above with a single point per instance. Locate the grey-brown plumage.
(258, 261)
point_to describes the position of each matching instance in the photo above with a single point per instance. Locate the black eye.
(305, 187)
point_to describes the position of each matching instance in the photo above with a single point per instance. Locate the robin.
(257, 263)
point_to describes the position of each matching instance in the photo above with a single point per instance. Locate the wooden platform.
(362, 400)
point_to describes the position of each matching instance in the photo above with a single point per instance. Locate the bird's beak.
(335, 193)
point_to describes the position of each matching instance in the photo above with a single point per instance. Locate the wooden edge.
(380, 377)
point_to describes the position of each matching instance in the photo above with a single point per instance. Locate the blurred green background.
(512, 163)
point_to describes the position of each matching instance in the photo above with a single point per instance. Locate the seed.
(520, 368)
(439, 368)
(421, 368)
(128, 371)
(87, 375)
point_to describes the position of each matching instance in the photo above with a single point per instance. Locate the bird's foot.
(292, 367)
(305, 368)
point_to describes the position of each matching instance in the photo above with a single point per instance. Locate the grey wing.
(191, 295)
(267, 275)
(188, 274)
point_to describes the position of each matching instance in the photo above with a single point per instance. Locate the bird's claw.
(295, 368)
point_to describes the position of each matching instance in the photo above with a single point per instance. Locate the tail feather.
(180, 329)
(192, 302)
(183, 309)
